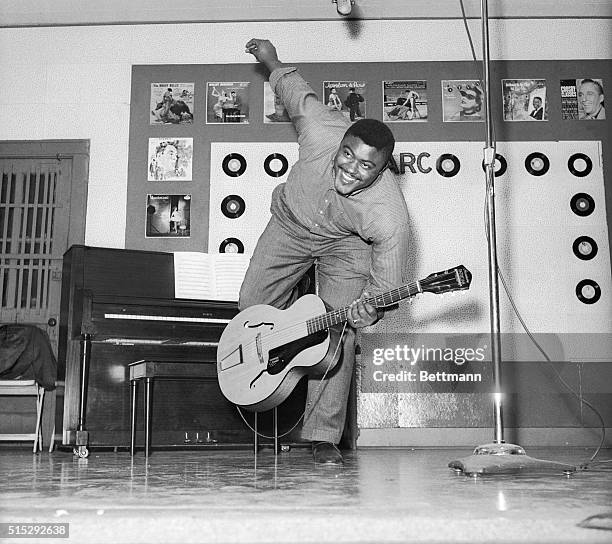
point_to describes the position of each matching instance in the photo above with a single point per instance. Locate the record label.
(585, 248)
(537, 164)
(588, 291)
(276, 165)
(582, 204)
(231, 245)
(580, 165)
(448, 165)
(234, 165)
(500, 165)
(233, 206)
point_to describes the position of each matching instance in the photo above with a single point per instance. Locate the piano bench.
(150, 369)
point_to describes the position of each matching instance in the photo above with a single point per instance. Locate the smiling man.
(591, 96)
(342, 209)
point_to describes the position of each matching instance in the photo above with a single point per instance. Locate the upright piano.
(118, 306)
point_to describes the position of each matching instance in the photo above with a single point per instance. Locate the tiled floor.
(379, 496)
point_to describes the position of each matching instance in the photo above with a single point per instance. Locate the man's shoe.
(326, 453)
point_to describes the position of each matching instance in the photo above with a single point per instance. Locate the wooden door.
(42, 213)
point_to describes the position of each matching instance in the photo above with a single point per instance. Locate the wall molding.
(34, 13)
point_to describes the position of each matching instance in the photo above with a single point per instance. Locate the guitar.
(263, 352)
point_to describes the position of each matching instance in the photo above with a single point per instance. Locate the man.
(231, 108)
(413, 111)
(538, 112)
(342, 209)
(401, 104)
(471, 104)
(591, 97)
(405, 106)
(352, 103)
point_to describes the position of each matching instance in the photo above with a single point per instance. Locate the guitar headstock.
(455, 279)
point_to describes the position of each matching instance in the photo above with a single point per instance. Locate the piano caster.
(81, 451)
(80, 448)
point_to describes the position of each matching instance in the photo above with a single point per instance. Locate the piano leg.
(148, 385)
(134, 404)
(82, 436)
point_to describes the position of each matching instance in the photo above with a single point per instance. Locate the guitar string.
(317, 393)
(328, 319)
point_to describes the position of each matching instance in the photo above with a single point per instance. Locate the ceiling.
(28, 13)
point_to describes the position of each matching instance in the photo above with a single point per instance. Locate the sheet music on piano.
(207, 276)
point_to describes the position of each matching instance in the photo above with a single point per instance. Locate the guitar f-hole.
(249, 325)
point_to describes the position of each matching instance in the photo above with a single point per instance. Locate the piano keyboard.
(140, 317)
(154, 342)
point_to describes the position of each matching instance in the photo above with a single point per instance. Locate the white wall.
(74, 82)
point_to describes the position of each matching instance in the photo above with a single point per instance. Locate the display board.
(215, 164)
(178, 111)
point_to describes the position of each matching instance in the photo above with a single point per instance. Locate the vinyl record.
(281, 171)
(234, 165)
(500, 164)
(582, 204)
(231, 245)
(585, 248)
(588, 291)
(448, 165)
(537, 164)
(580, 165)
(232, 206)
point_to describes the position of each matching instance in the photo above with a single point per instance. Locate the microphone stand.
(497, 457)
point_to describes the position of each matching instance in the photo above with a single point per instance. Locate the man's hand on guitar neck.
(361, 313)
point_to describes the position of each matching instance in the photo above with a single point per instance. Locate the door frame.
(78, 151)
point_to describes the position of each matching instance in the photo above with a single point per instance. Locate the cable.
(584, 465)
(467, 29)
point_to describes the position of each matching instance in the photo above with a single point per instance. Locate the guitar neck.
(335, 317)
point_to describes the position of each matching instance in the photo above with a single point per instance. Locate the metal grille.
(28, 207)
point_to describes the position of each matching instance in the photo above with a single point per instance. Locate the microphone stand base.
(506, 459)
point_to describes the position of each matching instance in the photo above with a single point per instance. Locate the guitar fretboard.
(329, 319)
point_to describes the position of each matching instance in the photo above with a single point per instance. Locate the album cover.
(171, 103)
(582, 99)
(170, 159)
(348, 97)
(404, 101)
(168, 216)
(524, 100)
(462, 100)
(273, 111)
(227, 102)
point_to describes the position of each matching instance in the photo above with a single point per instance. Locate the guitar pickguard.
(281, 356)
